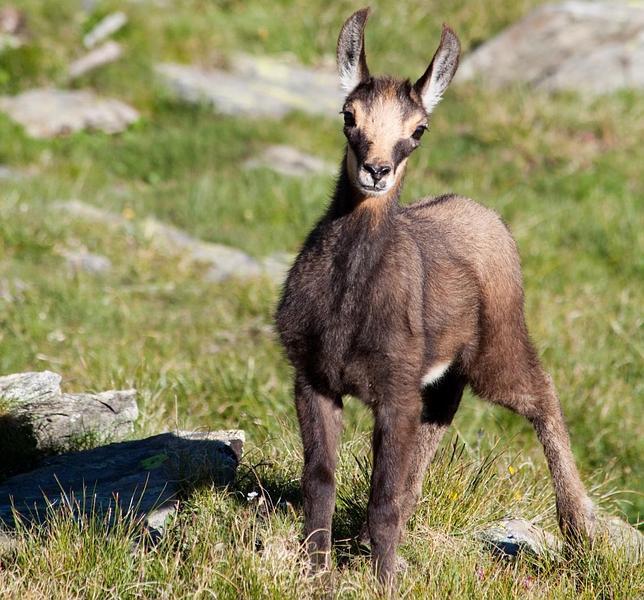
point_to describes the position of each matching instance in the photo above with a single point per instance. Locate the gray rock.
(276, 265)
(223, 262)
(623, 537)
(12, 290)
(81, 260)
(29, 387)
(105, 28)
(7, 173)
(89, 212)
(143, 479)
(98, 57)
(49, 112)
(289, 161)
(257, 86)
(594, 47)
(510, 537)
(38, 417)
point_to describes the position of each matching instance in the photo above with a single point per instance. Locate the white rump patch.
(435, 373)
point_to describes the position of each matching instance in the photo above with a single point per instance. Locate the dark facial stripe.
(358, 142)
(402, 150)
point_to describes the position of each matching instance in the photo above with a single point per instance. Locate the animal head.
(384, 118)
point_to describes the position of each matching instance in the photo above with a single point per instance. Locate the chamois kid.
(403, 306)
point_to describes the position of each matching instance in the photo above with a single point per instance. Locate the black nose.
(378, 171)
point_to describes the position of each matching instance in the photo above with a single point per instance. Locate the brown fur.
(379, 296)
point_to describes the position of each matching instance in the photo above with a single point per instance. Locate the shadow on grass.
(135, 479)
(275, 487)
(18, 445)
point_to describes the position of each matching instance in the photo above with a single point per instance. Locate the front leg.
(395, 432)
(320, 420)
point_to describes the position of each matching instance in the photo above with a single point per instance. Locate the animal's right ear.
(352, 62)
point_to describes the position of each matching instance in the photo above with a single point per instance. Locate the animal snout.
(377, 171)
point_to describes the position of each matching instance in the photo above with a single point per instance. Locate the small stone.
(81, 260)
(100, 56)
(50, 112)
(510, 537)
(289, 161)
(12, 20)
(9, 174)
(105, 28)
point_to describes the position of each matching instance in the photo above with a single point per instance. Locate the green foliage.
(563, 171)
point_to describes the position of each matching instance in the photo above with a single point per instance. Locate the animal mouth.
(374, 189)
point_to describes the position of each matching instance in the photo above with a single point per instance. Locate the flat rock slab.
(594, 47)
(144, 479)
(223, 262)
(49, 112)
(289, 161)
(258, 86)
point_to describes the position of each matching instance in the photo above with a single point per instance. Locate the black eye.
(418, 132)
(349, 119)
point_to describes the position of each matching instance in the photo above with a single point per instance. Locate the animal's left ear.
(436, 78)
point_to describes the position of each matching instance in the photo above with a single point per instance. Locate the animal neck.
(348, 201)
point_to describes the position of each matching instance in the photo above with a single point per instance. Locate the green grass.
(563, 171)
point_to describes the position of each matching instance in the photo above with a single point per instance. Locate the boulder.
(37, 418)
(592, 47)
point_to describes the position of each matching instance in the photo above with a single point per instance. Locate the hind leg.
(522, 386)
(440, 403)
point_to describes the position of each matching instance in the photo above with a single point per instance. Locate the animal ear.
(352, 62)
(436, 78)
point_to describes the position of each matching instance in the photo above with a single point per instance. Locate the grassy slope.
(564, 172)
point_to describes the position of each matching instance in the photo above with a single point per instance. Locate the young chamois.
(403, 307)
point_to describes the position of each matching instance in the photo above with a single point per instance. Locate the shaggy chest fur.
(351, 303)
